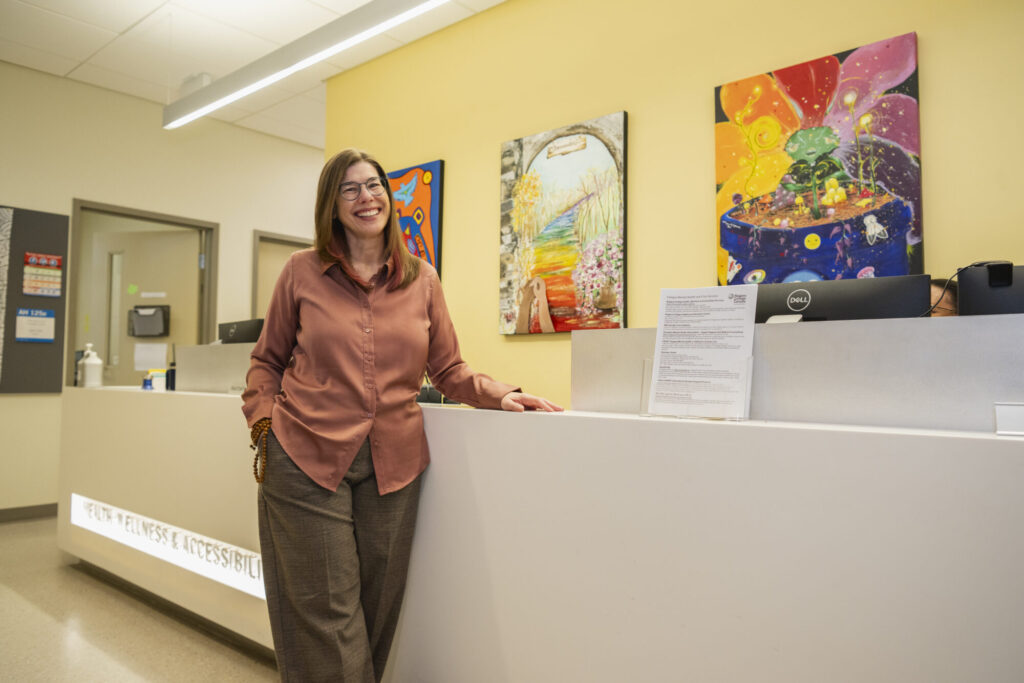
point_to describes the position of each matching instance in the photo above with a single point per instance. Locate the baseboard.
(28, 512)
(179, 613)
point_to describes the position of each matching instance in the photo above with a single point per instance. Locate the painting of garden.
(562, 264)
(818, 169)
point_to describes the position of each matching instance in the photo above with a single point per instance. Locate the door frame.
(209, 237)
(259, 236)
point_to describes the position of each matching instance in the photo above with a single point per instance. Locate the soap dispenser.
(90, 369)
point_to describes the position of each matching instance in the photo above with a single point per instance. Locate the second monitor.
(897, 296)
(990, 288)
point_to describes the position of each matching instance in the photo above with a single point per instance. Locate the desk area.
(593, 546)
(596, 547)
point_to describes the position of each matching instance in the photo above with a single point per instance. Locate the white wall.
(61, 140)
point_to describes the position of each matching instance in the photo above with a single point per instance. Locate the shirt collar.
(382, 274)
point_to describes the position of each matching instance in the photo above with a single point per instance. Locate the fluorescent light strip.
(391, 23)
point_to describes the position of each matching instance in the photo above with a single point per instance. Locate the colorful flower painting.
(818, 169)
(563, 219)
(417, 193)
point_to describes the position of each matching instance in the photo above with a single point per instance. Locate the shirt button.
(369, 415)
(367, 330)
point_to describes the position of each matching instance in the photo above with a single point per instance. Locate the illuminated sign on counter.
(225, 563)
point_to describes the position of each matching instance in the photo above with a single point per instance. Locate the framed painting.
(818, 169)
(418, 192)
(563, 228)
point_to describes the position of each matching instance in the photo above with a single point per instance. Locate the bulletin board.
(33, 299)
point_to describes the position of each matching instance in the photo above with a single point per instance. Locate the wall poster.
(818, 169)
(418, 192)
(563, 226)
(42, 275)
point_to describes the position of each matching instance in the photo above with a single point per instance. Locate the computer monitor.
(990, 288)
(895, 296)
(241, 331)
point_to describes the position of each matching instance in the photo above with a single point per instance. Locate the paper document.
(703, 352)
(34, 325)
(150, 356)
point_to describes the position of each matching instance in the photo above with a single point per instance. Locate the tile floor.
(59, 623)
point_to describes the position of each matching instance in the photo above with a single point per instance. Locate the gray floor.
(58, 623)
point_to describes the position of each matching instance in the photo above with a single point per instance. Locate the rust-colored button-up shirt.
(336, 363)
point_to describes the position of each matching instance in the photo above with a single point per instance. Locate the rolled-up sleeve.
(274, 349)
(445, 366)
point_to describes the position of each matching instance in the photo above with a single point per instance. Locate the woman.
(351, 327)
(944, 297)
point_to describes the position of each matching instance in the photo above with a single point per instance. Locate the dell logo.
(798, 300)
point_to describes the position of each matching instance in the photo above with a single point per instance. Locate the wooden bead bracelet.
(258, 436)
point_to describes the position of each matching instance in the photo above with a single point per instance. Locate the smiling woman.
(363, 208)
(352, 326)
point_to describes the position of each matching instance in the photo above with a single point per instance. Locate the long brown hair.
(404, 266)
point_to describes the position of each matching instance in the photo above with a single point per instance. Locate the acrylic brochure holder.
(702, 353)
(743, 377)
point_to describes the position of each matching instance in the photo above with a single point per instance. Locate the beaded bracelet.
(259, 444)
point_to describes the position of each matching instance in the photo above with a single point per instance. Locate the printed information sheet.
(43, 275)
(704, 352)
(34, 325)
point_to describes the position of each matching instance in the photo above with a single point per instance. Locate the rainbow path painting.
(563, 220)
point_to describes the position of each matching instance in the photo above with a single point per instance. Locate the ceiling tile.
(204, 45)
(341, 6)
(434, 20)
(39, 60)
(279, 21)
(113, 80)
(319, 93)
(297, 109)
(230, 113)
(113, 16)
(480, 5)
(284, 129)
(140, 61)
(364, 52)
(49, 32)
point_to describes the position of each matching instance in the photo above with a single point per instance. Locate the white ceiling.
(149, 48)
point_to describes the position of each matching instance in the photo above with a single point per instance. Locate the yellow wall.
(526, 66)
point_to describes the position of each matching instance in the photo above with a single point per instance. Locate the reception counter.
(603, 547)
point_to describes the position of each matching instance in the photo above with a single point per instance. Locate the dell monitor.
(989, 288)
(240, 332)
(894, 296)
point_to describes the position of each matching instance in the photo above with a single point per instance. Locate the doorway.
(127, 263)
(270, 251)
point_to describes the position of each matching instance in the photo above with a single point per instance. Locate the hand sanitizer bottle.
(90, 368)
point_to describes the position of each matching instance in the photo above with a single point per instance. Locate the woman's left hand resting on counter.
(517, 402)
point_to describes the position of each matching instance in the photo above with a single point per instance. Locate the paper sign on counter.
(703, 353)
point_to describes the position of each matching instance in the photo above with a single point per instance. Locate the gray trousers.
(334, 567)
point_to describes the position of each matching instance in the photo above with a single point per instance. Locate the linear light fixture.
(347, 31)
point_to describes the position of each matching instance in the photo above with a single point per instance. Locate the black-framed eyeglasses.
(350, 191)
